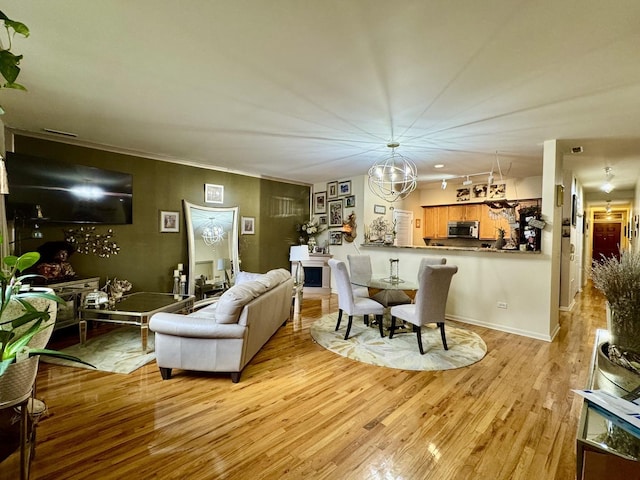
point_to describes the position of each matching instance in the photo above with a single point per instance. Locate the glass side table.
(600, 431)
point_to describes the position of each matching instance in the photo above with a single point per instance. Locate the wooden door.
(606, 240)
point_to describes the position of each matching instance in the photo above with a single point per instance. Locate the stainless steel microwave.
(463, 229)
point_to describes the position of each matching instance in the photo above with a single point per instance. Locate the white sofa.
(225, 336)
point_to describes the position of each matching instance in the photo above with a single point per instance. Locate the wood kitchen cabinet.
(435, 222)
(489, 226)
(464, 213)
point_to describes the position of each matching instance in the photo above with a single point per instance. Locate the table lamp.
(299, 254)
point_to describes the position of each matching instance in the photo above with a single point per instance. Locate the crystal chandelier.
(393, 177)
(212, 233)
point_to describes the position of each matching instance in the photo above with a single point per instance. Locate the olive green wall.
(147, 257)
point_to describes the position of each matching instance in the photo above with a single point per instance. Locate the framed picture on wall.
(335, 237)
(350, 201)
(332, 190)
(379, 209)
(336, 213)
(320, 202)
(248, 225)
(169, 221)
(344, 188)
(213, 193)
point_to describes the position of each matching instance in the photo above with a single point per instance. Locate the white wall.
(528, 283)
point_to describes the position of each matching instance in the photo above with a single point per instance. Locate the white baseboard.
(503, 328)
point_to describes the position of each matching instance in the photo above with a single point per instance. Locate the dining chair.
(360, 271)
(351, 304)
(431, 301)
(430, 261)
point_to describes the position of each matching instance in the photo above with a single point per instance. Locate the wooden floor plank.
(300, 411)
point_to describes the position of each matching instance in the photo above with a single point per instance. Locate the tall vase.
(624, 330)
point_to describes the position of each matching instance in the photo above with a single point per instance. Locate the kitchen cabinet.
(464, 213)
(489, 225)
(435, 222)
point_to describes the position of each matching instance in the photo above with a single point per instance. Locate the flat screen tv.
(67, 192)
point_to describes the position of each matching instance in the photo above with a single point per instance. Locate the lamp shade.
(299, 253)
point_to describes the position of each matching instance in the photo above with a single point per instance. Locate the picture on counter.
(332, 190)
(479, 191)
(499, 190)
(350, 201)
(320, 202)
(463, 195)
(344, 188)
(335, 237)
(335, 213)
(169, 221)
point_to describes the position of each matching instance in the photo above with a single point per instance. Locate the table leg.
(144, 333)
(83, 331)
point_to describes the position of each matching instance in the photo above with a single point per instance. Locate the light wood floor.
(300, 411)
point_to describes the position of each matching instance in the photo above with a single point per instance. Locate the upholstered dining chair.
(430, 261)
(351, 304)
(431, 301)
(361, 272)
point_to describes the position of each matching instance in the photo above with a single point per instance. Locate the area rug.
(117, 351)
(400, 352)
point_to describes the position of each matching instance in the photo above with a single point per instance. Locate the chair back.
(430, 261)
(360, 269)
(343, 283)
(431, 299)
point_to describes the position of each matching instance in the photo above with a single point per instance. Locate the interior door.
(606, 240)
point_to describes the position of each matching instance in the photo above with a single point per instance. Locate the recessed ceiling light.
(440, 165)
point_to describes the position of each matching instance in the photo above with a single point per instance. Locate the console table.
(597, 452)
(73, 293)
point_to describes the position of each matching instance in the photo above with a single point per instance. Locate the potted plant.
(16, 333)
(619, 280)
(9, 62)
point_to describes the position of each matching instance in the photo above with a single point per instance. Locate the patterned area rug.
(117, 351)
(401, 352)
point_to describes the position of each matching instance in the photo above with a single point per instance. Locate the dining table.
(387, 290)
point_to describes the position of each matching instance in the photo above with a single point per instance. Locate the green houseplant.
(9, 62)
(15, 334)
(619, 280)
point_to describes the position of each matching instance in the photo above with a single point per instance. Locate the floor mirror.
(212, 236)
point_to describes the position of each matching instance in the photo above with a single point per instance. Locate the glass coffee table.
(135, 309)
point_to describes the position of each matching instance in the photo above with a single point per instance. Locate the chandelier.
(393, 177)
(212, 233)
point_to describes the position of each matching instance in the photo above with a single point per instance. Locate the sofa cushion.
(231, 302)
(243, 277)
(275, 277)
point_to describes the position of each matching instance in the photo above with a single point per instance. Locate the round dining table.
(388, 291)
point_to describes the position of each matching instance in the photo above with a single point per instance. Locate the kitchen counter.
(450, 248)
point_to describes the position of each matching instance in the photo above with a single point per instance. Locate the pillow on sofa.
(243, 277)
(231, 302)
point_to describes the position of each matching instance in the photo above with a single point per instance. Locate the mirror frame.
(235, 261)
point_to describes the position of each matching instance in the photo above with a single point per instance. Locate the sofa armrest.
(193, 326)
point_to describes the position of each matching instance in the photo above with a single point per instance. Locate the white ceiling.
(312, 91)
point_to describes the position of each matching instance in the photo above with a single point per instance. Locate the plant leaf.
(27, 260)
(56, 354)
(9, 65)
(4, 364)
(19, 27)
